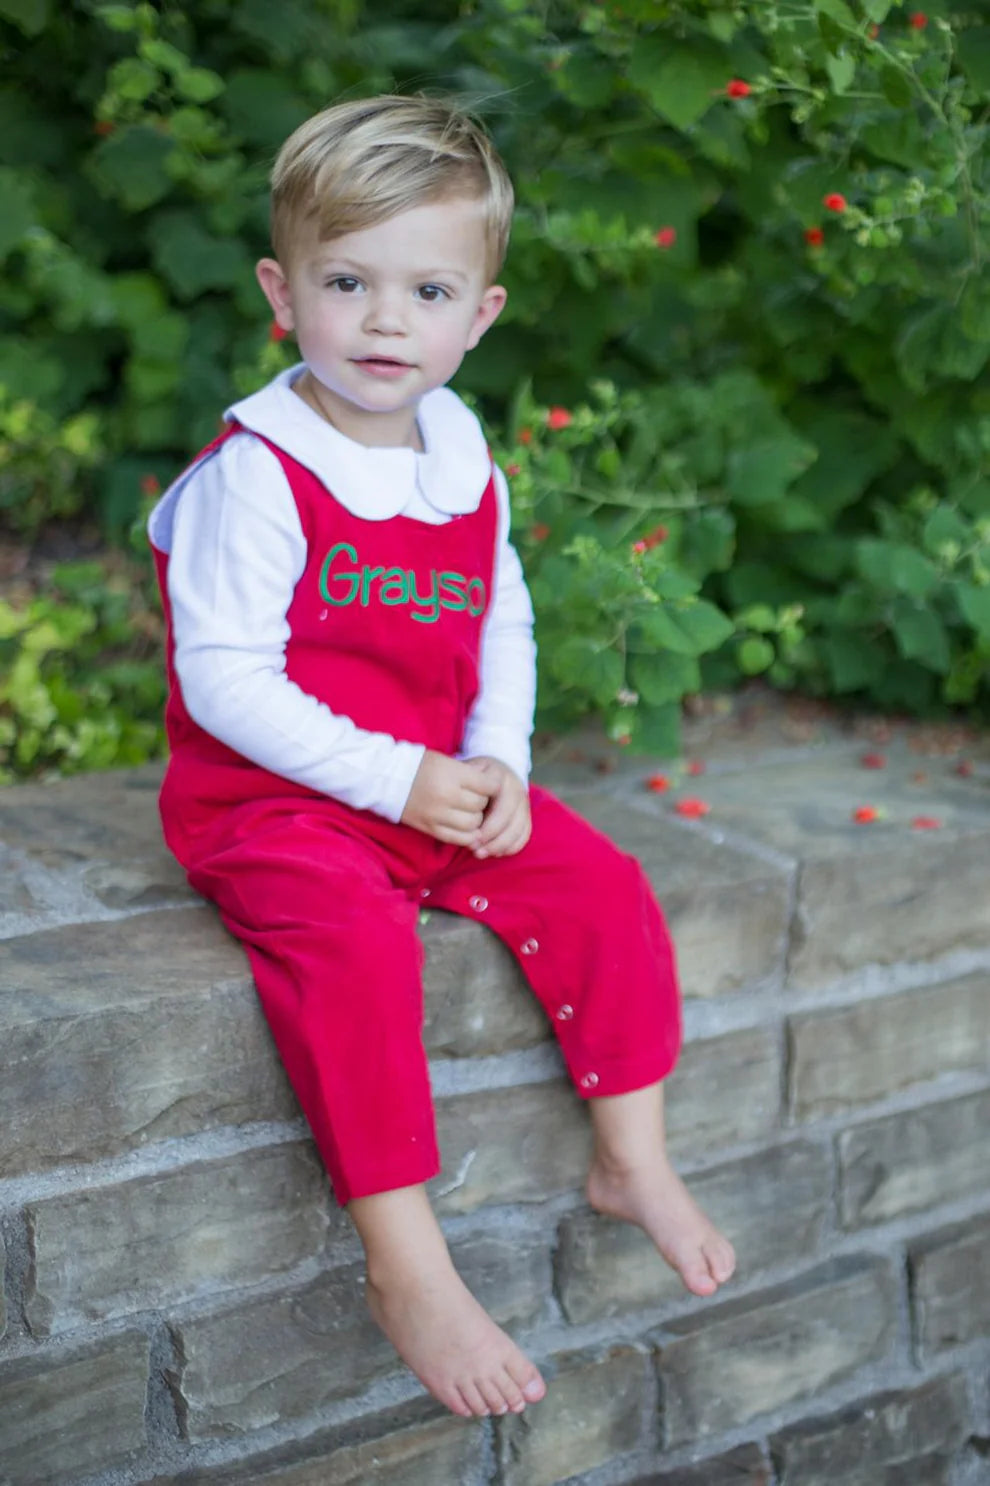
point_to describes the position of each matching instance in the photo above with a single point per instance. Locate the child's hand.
(507, 824)
(448, 799)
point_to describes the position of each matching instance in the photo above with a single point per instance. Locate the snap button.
(590, 1081)
(479, 903)
(529, 947)
(424, 892)
(565, 1012)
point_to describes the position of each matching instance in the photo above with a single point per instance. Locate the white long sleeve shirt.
(236, 552)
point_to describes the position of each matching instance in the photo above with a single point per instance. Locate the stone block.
(912, 1160)
(850, 1055)
(745, 1466)
(863, 1445)
(773, 1348)
(407, 1447)
(594, 1410)
(476, 999)
(728, 910)
(156, 1240)
(521, 1144)
(950, 1286)
(65, 1415)
(724, 1091)
(284, 1356)
(882, 894)
(771, 1205)
(157, 1011)
(3, 1287)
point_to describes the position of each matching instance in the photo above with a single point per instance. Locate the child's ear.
(491, 306)
(275, 287)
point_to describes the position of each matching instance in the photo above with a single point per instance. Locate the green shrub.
(749, 258)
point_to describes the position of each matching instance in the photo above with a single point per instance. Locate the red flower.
(559, 418)
(814, 237)
(835, 202)
(150, 485)
(640, 547)
(692, 808)
(926, 823)
(696, 767)
(736, 88)
(918, 20)
(539, 532)
(666, 237)
(873, 32)
(874, 761)
(624, 740)
(275, 332)
(658, 784)
(865, 815)
(655, 537)
(104, 126)
(513, 469)
(964, 768)
(524, 436)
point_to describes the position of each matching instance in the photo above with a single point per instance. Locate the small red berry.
(640, 547)
(513, 469)
(873, 32)
(539, 532)
(275, 332)
(150, 485)
(104, 127)
(692, 808)
(658, 784)
(524, 436)
(559, 418)
(814, 237)
(918, 20)
(624, 740)
(696, 767)
(865, 815)
(835, 202)
(736, 88)
(874, 761)
(926, 823)
(964, 768)
(655, 537)
(666, 237)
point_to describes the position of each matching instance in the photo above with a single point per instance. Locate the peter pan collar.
(377, 483)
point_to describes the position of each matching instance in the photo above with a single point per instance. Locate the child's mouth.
(382, 366)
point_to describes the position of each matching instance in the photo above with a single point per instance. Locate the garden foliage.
(741, 384)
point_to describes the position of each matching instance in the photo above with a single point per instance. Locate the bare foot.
(654, 1197)
(452, 1344)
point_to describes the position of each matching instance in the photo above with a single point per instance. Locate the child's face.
(384, 315)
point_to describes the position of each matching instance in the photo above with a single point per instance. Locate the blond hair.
(356, 164)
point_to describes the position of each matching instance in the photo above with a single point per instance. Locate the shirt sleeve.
(237, 553)
(500, 724)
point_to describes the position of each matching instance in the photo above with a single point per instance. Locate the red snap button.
(424, 892)
(565, 1012)
(590, 1081)
(529, 947)
(478, 903)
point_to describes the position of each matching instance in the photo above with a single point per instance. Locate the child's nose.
(385, 314)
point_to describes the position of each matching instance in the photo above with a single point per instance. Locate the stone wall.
(182, 1300)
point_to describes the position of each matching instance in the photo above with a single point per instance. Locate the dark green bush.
(749, 259)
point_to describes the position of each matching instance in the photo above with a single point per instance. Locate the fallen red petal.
(658, 783)
(865, 815)
(874, 761)
(926, 823)
(964, 768)
(692, 808)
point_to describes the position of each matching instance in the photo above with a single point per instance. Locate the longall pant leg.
(582, 920)
(337, 963)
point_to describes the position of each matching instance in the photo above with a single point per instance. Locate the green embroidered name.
(343, 583)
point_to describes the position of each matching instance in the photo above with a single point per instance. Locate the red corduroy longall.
(386, 623)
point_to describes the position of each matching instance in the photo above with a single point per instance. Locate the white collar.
(377, 483)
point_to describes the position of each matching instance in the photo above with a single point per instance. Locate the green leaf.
(877, 10)
(29, 16)
(133, 80)
(895, 86)
(921, 635)
(841, 70)
(590, 666)
(838, 10)
(760, 469)
(944, 527)
(855, 663)
(130, 165)
(687, 631)
(192, 260)
(894, 567)
(199, 84)
(973, 50)
(663, 678)
(975, 604)
(680, 80)
(657, 730)
(17, 211)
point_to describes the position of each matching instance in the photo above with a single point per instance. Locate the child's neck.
(373, 431)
